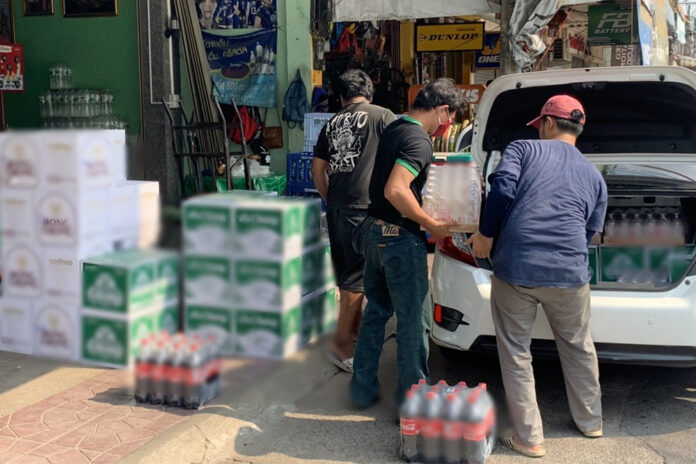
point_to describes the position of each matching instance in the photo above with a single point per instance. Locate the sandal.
(345, 365)
(536, 451)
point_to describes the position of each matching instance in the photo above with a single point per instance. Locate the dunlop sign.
(449, 37)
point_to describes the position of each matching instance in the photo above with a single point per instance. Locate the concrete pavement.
(300, 412)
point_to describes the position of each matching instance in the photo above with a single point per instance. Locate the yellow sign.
(449, 37)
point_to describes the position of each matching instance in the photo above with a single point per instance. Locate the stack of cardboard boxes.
(64, 197)
(256, 272)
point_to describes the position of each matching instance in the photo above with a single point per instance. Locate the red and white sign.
(11, 68)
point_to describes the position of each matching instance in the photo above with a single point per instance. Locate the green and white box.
(593, 264)
(113, 339)
(618, 261)
(56, 331)
(258, 284)
(20, 160)
(318, 315)
(267, 334)
(168, 319)
(208, 221)
(126, 281)
(208, 280)
(276, 228)
(16, 326)
(207, 320)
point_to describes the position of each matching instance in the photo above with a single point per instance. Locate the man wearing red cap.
(546, 202)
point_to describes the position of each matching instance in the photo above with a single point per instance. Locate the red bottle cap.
(452, 397)
(410, 394)
(422, 382)
(483, 386)
(431, 395)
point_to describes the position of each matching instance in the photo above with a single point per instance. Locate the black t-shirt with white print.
(349, 143)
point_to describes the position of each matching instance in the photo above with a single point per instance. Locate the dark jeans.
(396, 280)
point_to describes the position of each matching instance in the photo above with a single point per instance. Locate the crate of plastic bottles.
(443, 423)
(299, 170)
(178, 370)
(453, 192)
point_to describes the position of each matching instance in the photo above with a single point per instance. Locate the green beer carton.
(276, 228)
(258, 284)
(267, 334)
(206, 320)
(208, 280)
(168, 319)
(113, 339)
(593, 253)
(617, 262)
(127, 281)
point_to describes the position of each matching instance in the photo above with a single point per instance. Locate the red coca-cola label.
(159, 372)
(453, 430)
(192, 376)
(474, 431)
(143, 370)
(432, 428)
(176, 374)
(410, 427)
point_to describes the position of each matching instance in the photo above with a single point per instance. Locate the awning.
(377, 10)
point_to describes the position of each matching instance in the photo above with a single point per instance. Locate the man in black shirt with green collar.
(396, 269)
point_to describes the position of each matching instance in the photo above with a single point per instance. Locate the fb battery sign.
(489, 57)
(609, 24)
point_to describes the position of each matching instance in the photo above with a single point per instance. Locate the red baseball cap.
(560, 106)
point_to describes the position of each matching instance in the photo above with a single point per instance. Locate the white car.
(641, 134)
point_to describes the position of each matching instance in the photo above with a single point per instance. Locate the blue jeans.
(396, 279)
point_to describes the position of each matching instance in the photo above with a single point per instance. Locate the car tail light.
(448, 318)
(454, 248)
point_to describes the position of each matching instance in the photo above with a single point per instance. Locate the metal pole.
(507, 61)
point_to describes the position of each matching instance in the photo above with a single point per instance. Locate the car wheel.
(453, 356)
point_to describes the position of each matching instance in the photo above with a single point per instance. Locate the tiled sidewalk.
(95, 421)
(99, 421)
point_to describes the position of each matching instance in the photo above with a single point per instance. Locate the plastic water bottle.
(432, 427)
(452, 432)
(410, 421)
(143, 370)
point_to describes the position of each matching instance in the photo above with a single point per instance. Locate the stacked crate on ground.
(127, 296)
(313, 124)
(250, 264)
(63, 198)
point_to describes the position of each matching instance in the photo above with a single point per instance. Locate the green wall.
(102, 52)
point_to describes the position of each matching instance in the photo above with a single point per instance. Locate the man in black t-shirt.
(396, 268)
(346, 151)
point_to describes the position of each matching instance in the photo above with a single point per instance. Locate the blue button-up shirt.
(546, 199)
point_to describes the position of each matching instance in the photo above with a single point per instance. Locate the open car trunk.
(641, 134)
(648, 238)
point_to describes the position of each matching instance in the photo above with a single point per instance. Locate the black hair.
(355, 83)
(571, 126)
(441, 92)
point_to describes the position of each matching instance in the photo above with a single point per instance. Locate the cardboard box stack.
(255, 272)
(63, 198)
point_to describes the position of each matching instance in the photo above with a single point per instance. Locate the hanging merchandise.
(247, 122)
(295, 104)
(272, 135)
(243, 67)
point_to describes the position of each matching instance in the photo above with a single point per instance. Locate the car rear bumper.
(647, 355)
(627, 326)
